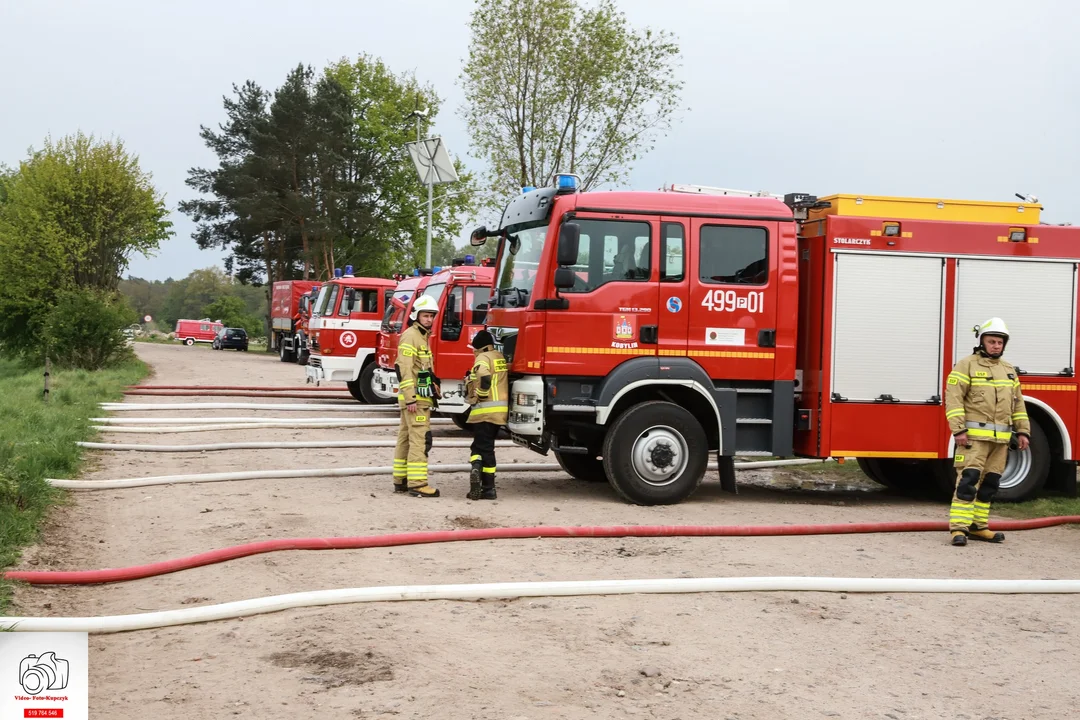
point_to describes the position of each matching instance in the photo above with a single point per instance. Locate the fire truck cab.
(462, 292)
(646, 330)
(343, 330)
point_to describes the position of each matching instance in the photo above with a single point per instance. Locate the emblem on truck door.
(625, 331)
(674, 304)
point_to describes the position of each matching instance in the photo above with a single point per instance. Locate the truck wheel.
(872, 469)
(284, 354)
(588, 468)
(367, 387)
(655, 454)
(189, 341)
(355, 391)
(1026, 472)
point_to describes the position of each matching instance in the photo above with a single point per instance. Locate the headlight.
(525, 399)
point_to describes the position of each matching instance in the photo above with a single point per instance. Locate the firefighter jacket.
(416, 382)
(983, 398)
(487, 388)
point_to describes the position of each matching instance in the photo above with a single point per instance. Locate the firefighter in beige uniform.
(486, 391)
(984, 408)
(417, 390)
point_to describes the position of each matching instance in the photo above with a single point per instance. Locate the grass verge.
(1043, 507)
(37, 441)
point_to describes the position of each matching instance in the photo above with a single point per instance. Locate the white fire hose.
(279, 407)
(495, 591)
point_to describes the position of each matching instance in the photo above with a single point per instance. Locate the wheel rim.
(1017, 468)
(659, 455)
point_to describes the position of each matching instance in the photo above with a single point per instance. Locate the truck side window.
(331, 301)
(612, 251)
(733, 255)
(367, 301)
(452, 318)
(476, 303)
(672, 252)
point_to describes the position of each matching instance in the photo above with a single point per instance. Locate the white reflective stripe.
(988, 426)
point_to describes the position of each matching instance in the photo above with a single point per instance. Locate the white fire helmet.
(993, 326)
(424, 303)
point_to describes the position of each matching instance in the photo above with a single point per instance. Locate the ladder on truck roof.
(707, 190)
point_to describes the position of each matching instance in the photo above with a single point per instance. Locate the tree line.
(315, 174)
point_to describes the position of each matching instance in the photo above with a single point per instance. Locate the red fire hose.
(263, 388)
(88, 577)
(326, 395)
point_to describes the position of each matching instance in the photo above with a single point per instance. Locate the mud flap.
(727, 473)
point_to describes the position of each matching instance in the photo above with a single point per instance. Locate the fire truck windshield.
(320, 301)
(518, 262)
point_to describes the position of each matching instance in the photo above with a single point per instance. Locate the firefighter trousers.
(413, 446)
(483, 449)
(978, 476)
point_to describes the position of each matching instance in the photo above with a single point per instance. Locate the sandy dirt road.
(748, 655)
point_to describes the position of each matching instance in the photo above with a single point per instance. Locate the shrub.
(84, 329)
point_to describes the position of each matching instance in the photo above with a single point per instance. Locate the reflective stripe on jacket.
(491, 403)
(983, 398)
(413, 357)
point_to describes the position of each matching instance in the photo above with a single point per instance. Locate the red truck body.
(290, 312)
(344, 329)
(462, 292)
(193, 331)
(646, 330)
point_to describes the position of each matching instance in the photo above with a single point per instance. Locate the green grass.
(1043, 507)
(37, 441)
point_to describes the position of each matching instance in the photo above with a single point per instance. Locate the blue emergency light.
(436, 269)
(527, 188)
(348, 269)
(337, 272)
(565, 183)
(470, 259)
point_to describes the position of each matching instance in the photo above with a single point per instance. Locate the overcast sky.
(953, 98)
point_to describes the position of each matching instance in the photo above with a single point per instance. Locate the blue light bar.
(527, 188)
(348, 269)
(436, 269)
(470, 259)
(337, 272)
(416, 272)
(565, 182)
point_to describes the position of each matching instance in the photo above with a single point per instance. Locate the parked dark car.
(235, 338)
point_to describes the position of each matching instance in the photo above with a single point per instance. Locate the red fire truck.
(193, 331)
(344, 328)
(646, 330)
(290, 313)
(462, 292)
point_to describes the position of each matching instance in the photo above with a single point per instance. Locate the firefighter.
(486, 391)
(985, 409)
(417, 392)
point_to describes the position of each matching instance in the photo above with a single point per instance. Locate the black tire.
(652, 427)
(587, 468)
(872, 470)
(189, 341)
(462, 420)
(284, 354)
(367, 386)
(355, 391)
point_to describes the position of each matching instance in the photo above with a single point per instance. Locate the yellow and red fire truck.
(645, 331)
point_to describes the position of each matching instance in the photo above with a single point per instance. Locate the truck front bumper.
(321, 368)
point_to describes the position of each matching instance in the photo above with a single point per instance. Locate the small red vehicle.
(193, 331)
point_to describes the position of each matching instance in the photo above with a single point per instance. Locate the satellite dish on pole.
(434, 166)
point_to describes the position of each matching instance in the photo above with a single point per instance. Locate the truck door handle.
(650, 334)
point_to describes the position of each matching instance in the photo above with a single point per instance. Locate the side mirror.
(302, 306)
(569, 237)
(564, 277)
(479, 236)
(348, 301)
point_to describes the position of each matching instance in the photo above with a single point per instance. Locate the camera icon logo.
(38, 673)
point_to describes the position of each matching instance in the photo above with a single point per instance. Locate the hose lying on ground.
(287, 445)
(240, 393)
(492, 591)
(278, 474)
(253, 388)
(277, 407)
(87, 577)
(226, 420)
(297, 424)
(273, 474)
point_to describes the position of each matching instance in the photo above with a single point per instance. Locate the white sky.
(953, 98)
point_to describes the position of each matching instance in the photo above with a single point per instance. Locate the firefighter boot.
(475, 481)
(400, 483)
(959, 538)
(487, 488)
